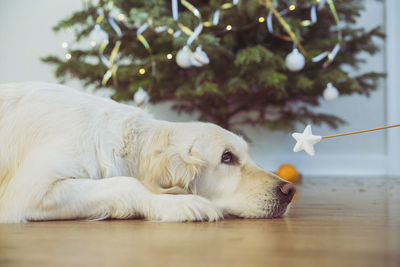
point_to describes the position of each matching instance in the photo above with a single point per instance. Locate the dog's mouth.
(267, 209)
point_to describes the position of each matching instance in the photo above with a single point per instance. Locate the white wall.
(26, 35)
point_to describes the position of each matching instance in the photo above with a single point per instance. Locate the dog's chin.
(280, 211)
(273, 209)
(276, 209)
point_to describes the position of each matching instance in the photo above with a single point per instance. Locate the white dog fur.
(65, 154)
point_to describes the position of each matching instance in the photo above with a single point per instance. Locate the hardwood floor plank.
(334, 222)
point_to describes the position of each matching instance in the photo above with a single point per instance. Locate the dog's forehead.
(236, 143)
(212, 135)
(225, 138)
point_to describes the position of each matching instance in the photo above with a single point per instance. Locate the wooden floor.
(334, 222)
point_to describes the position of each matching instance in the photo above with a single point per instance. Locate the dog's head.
(205, 159)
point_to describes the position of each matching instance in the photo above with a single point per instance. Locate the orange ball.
(288, 172)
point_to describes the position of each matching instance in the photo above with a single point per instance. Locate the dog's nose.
(285, 191)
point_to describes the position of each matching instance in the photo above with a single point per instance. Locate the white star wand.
(306, 140)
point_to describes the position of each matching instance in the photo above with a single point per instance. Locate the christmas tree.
(233, 64)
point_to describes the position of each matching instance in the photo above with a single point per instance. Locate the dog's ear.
(181, 167)
(171, 168)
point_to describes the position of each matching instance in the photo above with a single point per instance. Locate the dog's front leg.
(117, 197)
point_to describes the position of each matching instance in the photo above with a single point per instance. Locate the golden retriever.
(65, 154)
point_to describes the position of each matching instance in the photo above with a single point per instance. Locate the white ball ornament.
(98, 36)
(199, 58)
(183, 57)
(141, 97)
(330, 92)
(295, 60)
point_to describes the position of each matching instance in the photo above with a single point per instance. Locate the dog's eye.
(227, 158)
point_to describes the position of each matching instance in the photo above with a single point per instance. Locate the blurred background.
(26, 36)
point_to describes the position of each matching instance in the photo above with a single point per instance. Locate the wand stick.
(306, 140)
(362, 131)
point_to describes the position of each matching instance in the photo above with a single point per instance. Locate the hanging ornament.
(295, 60)
(141, 97)
(183, 57)
(94, 2)
(199, 58)
(330, 92)
(98, 36)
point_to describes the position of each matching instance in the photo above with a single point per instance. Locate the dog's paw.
(183, 208)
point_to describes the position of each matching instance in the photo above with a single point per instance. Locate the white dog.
(65, 154)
